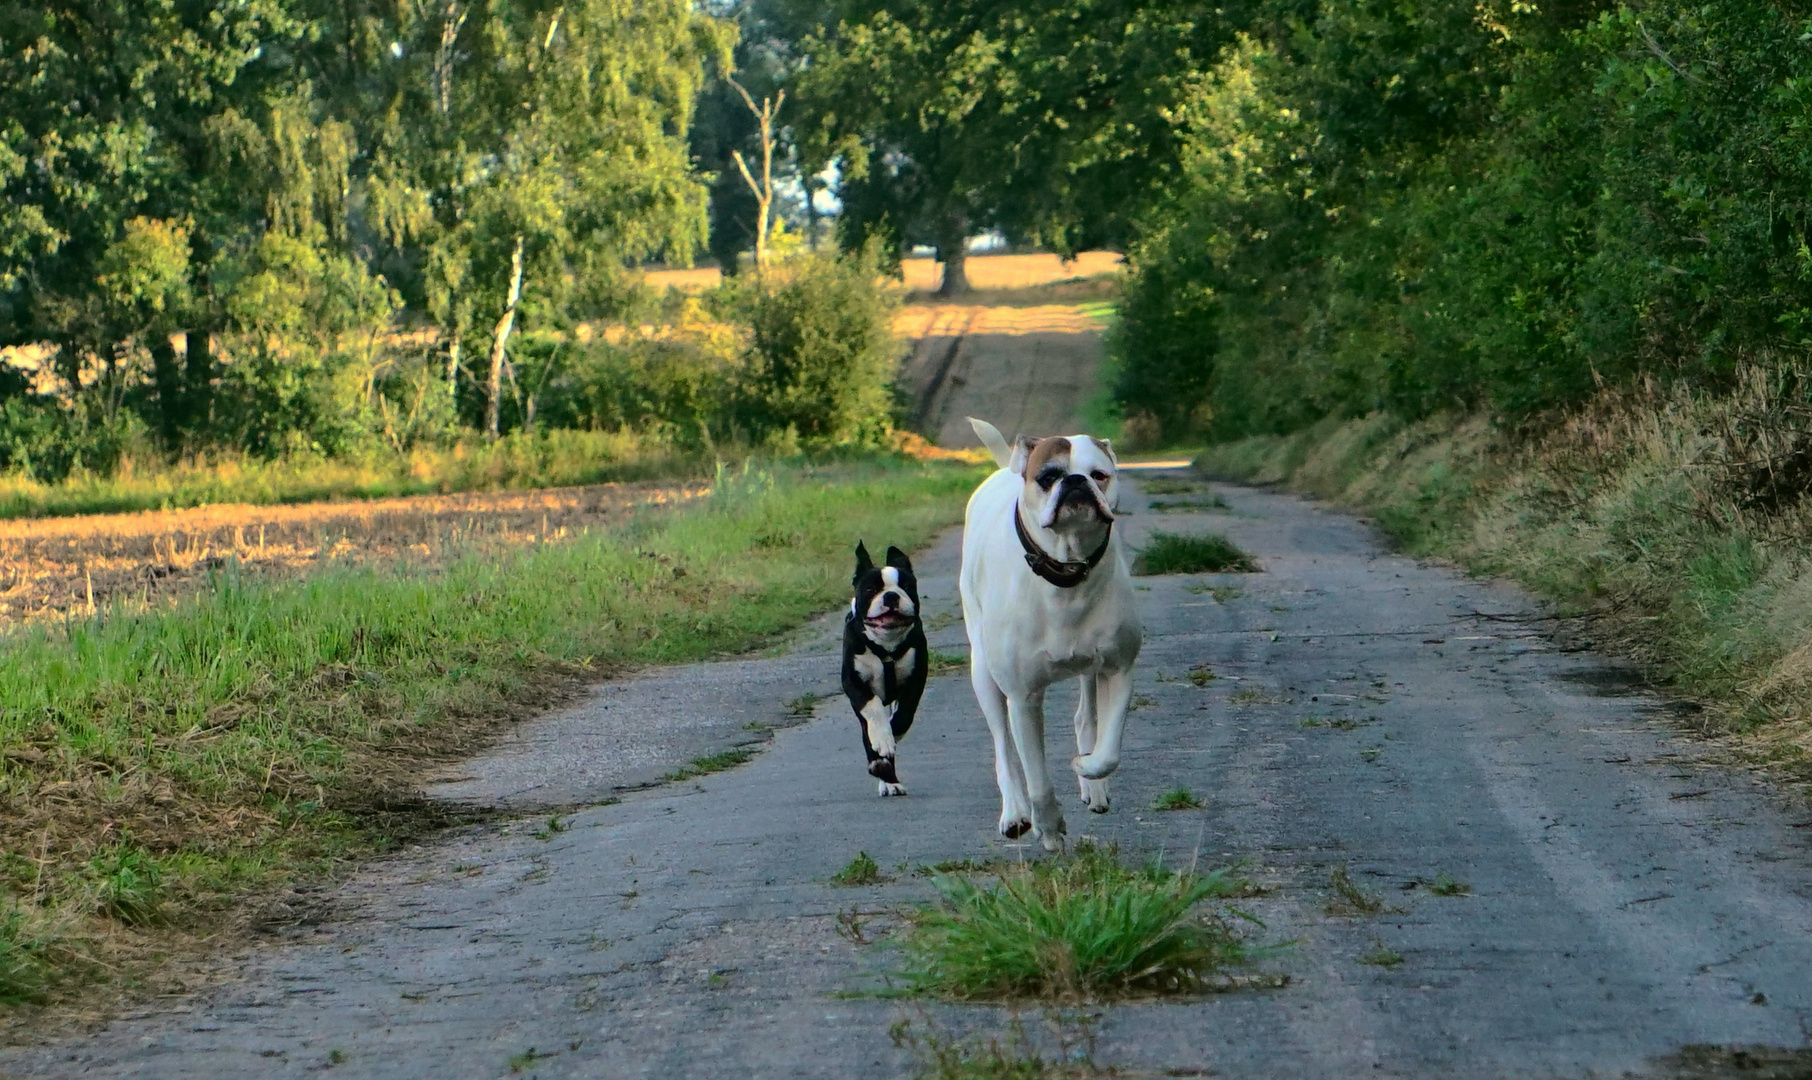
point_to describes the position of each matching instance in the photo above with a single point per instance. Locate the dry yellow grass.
(986, 272)
(51, 567)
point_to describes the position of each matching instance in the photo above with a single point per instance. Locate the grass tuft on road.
(1070, 928)
(862, 870)
(158, 766)
(1191, 553)
(1179, 798)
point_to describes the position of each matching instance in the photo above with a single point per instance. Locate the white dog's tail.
(992, 439)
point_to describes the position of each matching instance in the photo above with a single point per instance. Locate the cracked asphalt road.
(1365, 711)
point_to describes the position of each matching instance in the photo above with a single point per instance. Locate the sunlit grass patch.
(1178, 798)
(1075, 927)
(1349, 898)
(1191, 553)
(712, 763)
(862, 870)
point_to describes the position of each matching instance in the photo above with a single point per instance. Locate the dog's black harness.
(1064, 575)
(890, 683)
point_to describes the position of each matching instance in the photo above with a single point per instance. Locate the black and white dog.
(884, 659)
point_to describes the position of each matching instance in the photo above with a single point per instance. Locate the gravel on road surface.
(1367, 713)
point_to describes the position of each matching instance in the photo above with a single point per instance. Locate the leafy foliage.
(1450, 205)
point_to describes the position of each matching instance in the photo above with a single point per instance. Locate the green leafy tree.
(1049, 119)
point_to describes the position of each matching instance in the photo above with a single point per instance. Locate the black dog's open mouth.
(888, 620)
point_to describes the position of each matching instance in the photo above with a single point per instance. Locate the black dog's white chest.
(884, 671)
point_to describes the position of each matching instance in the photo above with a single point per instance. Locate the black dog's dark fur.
(907, 690)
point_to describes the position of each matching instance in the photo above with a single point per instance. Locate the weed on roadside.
(1194, 553)
(1256, 696)
(805, 703)
(23, 960)
(1444, 885)
(528, 1057)
(1070, 1054)
(1165, 486)
(712, 763)
(941, 662)
(1336, 723)
(127, 885)
(1178, 798)
(964, 866)
(1184, 506)
(862, 870)
(1349, 898)
(1381, 955)
(1076, 927)
(1220, 594)
(1201, 675)
(555, 826)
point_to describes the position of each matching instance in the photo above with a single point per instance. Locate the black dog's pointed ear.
(863, 563)
(898, 560)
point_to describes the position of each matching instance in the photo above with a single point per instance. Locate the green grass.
(1444, 885)
(1179, 798)
(1186, 506)
(1349, 897)
(1202, 675)
(862, 870)
(712, 763)
(546, 459)
(1069, 928)
(1381, 955)
(158, 765)
(1191, 553)
(1167, 486)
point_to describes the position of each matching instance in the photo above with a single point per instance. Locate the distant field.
(76, 565)
(986, 272)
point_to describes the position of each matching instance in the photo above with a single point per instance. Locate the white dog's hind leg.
(1113, 693)
(1015, 815)
(1094, 792)
(1026, 718)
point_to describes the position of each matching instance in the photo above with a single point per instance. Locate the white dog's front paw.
(1014, 826)
(1094, 766)
(891, 789)
(1094, 794)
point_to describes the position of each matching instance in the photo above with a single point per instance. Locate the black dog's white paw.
(888, 789)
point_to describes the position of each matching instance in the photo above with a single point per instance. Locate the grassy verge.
(548, 459)
(157, 766)
(1184, 553)
(1661, 517)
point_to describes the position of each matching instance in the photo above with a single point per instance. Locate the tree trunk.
(500, 343)
(198, 409)
(168, 378)
(811, 214)
(953, 251)
(453, 366)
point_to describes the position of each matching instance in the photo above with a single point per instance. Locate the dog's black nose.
(891, 600)
(1075, 480)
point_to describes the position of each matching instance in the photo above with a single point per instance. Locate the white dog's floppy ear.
(991, 438)
(1022, 451)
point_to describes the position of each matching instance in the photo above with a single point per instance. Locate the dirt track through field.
(1025, 369)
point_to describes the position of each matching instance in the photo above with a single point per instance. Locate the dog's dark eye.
(1049, 477)
(1100, 477)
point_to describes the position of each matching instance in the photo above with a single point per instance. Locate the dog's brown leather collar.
(1064, 575)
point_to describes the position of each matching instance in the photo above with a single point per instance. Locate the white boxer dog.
(1047, 595)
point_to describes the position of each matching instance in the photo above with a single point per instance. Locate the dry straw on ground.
(74, 566)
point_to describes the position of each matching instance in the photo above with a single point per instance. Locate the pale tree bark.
(453, 367)
(500, 340)
(764, 188)
(451, 21)
(953, 252)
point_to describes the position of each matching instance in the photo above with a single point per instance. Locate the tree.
(1047, 119)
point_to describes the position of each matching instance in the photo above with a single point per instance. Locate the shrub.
(821, 351)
